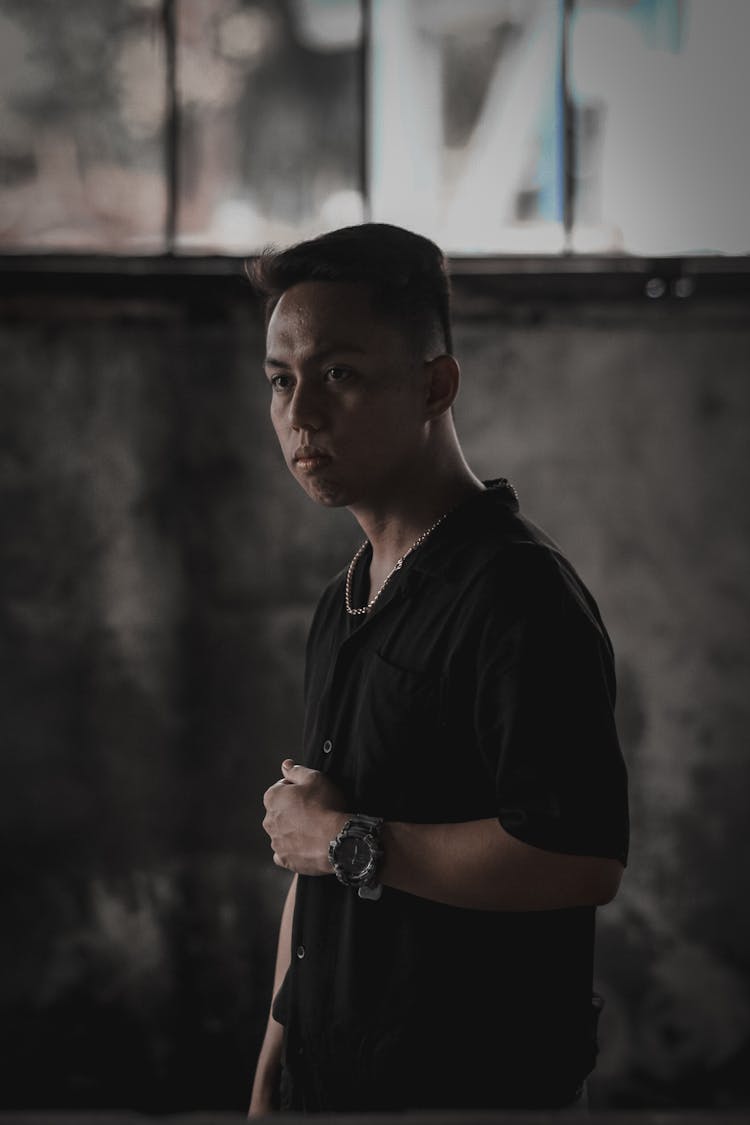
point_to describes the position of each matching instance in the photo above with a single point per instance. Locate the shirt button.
(300, 951)
(327, 746)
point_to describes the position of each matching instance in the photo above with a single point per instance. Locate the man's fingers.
(294, 773)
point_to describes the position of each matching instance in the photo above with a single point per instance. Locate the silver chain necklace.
(353, 566)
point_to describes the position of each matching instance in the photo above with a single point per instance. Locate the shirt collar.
(480, 512)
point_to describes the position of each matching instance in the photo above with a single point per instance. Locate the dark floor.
(571, 1117)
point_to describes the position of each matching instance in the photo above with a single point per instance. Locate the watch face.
(354, 855)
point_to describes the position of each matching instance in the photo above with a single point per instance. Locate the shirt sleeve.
(544, 721)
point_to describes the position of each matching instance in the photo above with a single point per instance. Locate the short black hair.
(406, 273)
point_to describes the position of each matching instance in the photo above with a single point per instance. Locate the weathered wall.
(159, 570)
(626, 428)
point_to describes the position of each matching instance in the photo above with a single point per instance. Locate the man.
(459, 808)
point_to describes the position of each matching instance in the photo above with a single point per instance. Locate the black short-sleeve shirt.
(480, 685)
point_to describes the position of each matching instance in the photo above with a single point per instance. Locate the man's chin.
(327, 494)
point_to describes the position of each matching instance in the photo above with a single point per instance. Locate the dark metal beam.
(212, 280)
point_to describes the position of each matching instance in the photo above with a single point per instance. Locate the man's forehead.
(329, 315)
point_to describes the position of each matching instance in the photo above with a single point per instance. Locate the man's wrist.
(355, 855)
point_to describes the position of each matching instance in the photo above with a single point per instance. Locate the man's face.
(347, 394)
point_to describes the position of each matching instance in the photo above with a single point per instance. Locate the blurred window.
(492, 126)
(661, 91)
(82, 115)
(466, 122)
(269, 141)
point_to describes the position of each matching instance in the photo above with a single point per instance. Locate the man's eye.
(337, 374)
(281, 382)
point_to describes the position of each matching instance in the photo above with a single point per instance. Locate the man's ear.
(443, 380)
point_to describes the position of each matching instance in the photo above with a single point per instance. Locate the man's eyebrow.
(322, 353)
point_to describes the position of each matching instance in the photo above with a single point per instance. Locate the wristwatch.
(356, 853)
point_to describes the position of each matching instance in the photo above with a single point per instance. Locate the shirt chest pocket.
(396, 740)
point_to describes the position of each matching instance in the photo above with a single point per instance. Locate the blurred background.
(586, 164)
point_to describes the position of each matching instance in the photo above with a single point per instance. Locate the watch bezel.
(365, 832)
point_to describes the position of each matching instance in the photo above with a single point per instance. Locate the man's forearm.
(477, 864)
(269, 1058)
(284, 945)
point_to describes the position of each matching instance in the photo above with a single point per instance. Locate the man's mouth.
(307, 459)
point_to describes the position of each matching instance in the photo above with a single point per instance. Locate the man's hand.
(304, 811)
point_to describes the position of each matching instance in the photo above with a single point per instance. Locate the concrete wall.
(159, 571)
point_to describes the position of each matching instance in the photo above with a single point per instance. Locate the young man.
(458, 808)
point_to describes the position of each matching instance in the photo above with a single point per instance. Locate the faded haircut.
(406, 274)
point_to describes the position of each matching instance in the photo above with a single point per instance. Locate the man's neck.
(393, 527)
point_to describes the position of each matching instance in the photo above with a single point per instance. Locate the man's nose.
(305, 410)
